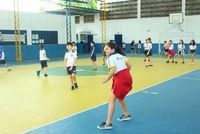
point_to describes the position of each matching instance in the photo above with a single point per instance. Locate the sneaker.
(172, 61)
(146, 65)
(124, 118)
(183, 62)
(105, 126)
(72, 88)
(167, 61)
(38, 73)
(76, 85)
(8, 69)
(176, 62)
(45, 75)
(150, 65)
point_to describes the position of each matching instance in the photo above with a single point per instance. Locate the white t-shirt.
(70, 57)
(43, 55)
(171, 47)
(181, 47)
(118, 61)
(147, 46)
(193, 47)
(2, 57)
(74, 49)
(139, 45)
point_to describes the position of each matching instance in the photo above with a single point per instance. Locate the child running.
(93, 55)
(70, 60)
(148, 52)
(2, 59)
(119, 68)
(171, 52)
(181, 52)
(43, 61)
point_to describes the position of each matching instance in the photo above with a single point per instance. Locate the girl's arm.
(128, 65)
(65, 62)
(110, 74)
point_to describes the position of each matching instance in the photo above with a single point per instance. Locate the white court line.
(106, 102)
(154, 93)
(189, 78)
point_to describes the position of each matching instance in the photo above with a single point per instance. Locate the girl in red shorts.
(171, 52)
(122, 82)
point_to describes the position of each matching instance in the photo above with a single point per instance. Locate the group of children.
(133, 48)
(171, 54)
(119, 70)
(70, 60)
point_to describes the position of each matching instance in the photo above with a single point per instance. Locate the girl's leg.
(74, 81)
(124, 107)
(182, 59)
(178, 57)
(147, 61)
(111, 108)
(45, 71)
(192, 58)
(74, 78)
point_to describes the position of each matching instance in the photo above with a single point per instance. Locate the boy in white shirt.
(43, 61)
(70, 60)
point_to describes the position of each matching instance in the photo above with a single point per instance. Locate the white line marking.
(145, 92)
(154, 93)
(106, 102)
(188, 78)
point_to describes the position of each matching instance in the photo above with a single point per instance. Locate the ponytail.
(118, 49)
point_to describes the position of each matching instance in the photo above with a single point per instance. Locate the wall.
(35, 22)
(158, 29)
(31, 52)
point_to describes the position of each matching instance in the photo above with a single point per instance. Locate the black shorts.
(2, 62)
(192, 51)
(166, 50)
(43, 63)
(93, 57)
(180, 53)
(148, 54)
(73, 71)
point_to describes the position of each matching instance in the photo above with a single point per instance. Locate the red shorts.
(171, 53)
(122, 83)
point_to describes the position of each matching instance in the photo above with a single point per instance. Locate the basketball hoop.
(176, 19)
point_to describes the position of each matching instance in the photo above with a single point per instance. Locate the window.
(77, 19)
(89, 19)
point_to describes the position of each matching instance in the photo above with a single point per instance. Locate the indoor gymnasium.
(99, 67)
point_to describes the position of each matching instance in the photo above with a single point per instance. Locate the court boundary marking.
(87, 109)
